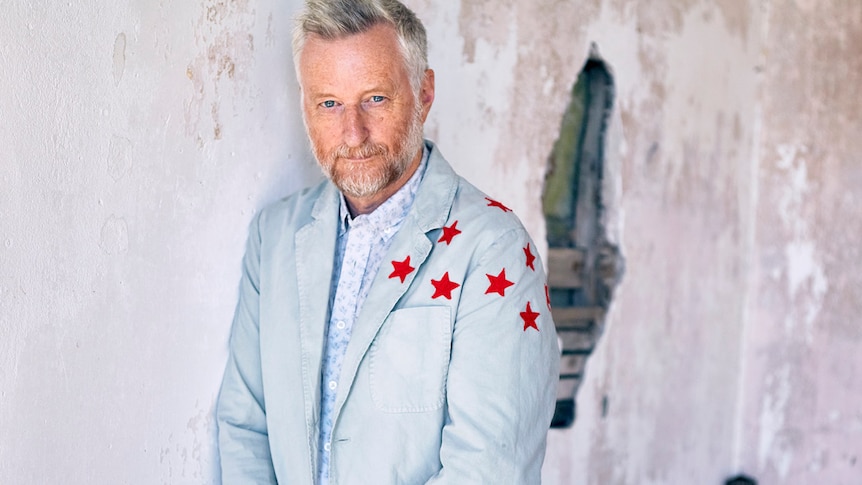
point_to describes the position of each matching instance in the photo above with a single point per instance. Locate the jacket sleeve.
(504, 368)
(241, 411)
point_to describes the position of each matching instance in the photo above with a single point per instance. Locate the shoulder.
(294, 209)
(489, 218)
(459, 200)
(456, 206)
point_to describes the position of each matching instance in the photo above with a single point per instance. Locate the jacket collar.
(436, 193)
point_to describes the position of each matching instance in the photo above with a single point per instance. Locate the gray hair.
(335, 19)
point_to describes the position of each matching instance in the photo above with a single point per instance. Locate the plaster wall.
(140, 137)
(137, 140)
(801, 420)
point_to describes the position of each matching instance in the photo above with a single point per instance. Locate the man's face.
(363, 120)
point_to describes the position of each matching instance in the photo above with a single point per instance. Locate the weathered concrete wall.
(802, 413)
(139, 138)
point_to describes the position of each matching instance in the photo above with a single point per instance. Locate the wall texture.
(801, 418)
(138, 139)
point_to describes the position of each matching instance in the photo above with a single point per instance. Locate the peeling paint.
(190, 454)
(224, 35)
(119, 157)
(804, 271)
(772, 450)
(114, 236)
(119, 57)
(485, 20)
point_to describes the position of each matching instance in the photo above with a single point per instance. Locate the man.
(393, 325)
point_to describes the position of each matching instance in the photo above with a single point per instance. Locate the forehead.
(375, 52)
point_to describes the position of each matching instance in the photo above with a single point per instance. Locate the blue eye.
(377, 99)
(328, 103)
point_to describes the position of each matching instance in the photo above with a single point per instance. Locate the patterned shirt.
(362, 243)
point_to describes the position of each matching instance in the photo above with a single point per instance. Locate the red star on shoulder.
(443, 287)
(529, 317)
(401, 269)
(530, 257)
(499, 283)
(494, 203)
(449, 233)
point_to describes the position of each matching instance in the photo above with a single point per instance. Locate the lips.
(359, 154)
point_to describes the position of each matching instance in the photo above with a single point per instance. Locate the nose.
(355, 127)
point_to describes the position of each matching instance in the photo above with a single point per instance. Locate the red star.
(449, 233)
(499, 283)
(530, 257)
(529, 317)
(494, 203)
(444, 287)
(548, 296)
(401, 269)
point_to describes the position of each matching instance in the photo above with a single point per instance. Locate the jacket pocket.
(409, 360)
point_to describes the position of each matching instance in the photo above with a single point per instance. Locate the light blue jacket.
(432, 390)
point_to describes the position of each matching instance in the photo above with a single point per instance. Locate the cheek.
(390, 130)
(319, 132)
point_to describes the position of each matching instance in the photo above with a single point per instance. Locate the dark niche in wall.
(583, 266)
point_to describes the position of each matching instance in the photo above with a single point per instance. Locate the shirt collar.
(386, 218)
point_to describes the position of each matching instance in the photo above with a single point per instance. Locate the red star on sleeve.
(494, 203)
(529, 317)
(449, 233)
(401, 269)
(499, 283)
(530, 257)
(443, 287)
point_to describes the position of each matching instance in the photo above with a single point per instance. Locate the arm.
(503, 374)
(241, 412)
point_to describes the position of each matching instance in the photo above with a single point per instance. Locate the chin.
(361, 184)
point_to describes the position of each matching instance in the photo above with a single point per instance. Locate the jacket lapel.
(315, 249)
(429, 212)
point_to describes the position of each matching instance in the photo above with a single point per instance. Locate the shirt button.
(387, 231)
(340, 325)
(327, 446)
(333, 385)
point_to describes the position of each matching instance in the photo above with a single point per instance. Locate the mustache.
(365, 150)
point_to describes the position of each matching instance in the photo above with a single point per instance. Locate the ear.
(426, 93)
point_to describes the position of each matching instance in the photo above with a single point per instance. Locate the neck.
(358, 206)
